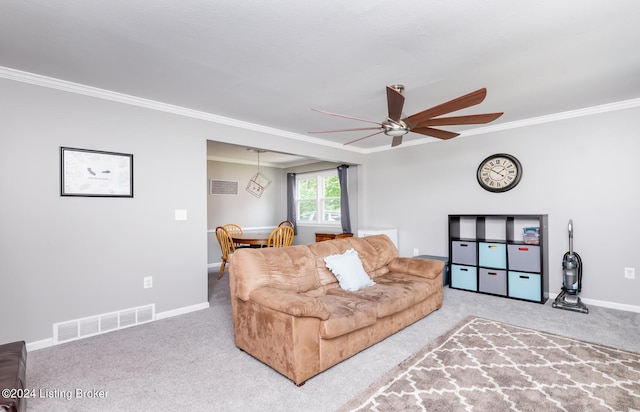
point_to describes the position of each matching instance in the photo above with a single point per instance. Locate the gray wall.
(65, 258)
(585, 169)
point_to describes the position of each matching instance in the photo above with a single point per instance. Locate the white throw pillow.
(347, 268)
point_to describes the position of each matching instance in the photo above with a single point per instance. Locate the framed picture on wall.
(94, 173)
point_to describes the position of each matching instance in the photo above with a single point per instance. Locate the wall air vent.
(107, 322)
(223, 187)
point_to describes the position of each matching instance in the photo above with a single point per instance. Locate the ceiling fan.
(397, 124)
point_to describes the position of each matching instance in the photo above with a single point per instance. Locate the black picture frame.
(95, 173)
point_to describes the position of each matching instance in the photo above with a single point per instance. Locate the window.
(318, 198)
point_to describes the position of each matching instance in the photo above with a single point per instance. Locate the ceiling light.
(258, 183)
(394, 133)
(395, 129)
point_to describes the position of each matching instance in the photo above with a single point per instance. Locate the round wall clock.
(499, 172)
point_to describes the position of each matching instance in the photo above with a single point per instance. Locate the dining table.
(251, 238)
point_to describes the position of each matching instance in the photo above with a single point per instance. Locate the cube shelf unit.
(487, 254)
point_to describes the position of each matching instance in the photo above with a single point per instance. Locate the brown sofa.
(290, 312)
(13, 370)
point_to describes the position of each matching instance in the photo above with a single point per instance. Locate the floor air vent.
(107, 322)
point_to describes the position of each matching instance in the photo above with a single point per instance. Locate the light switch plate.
(181, 214)
(630, 273)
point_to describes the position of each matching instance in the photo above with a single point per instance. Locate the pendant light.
(258, 183)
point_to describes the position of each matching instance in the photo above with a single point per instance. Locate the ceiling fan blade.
(395, 102)
(348, 130)
(362, 138)
(462, 102)
(397, 141)
(454, 120)
(346, 117)
(438, 133)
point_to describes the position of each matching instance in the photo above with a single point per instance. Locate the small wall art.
(94, 173)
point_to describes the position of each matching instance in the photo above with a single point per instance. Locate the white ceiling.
(268, 62)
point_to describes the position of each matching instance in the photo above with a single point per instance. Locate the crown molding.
(570, 114)
(52, 83)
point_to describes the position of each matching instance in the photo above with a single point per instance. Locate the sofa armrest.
(289, 302)
(426, 268)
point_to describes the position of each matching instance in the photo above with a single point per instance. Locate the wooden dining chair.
(286, 223)
(234, 229)
(226, 246)
(280, 237)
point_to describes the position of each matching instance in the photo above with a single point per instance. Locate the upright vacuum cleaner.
(571, 280)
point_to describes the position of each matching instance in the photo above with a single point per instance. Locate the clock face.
(499, 172)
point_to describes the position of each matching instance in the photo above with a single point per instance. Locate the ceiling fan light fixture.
(395, 129)
(396, 132)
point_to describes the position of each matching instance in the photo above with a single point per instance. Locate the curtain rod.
(321, 170)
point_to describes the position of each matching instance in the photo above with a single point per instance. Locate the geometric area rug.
(485, 365)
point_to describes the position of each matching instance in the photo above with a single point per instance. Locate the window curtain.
(344, 198)
(291, 201)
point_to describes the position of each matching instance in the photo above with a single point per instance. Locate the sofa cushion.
(380, 253)
(290, 268)
(347, 268)
(375, 252)
(292, 303)
(392, 293)
(426, 268)
(347, 313)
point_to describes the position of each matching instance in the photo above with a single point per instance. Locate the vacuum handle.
(571, 236)
(570, 229)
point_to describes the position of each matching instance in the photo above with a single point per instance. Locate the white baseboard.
(612, 305)
(182, 311)
(46, 343)
(604, 304)
(40, 344)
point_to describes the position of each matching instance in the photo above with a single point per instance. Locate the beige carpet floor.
(190, 362)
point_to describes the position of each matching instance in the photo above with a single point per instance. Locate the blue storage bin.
(524, 285)
(464, 277)
(492, 255)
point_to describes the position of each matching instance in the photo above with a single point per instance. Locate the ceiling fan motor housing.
(398, 87)
(392, 128)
